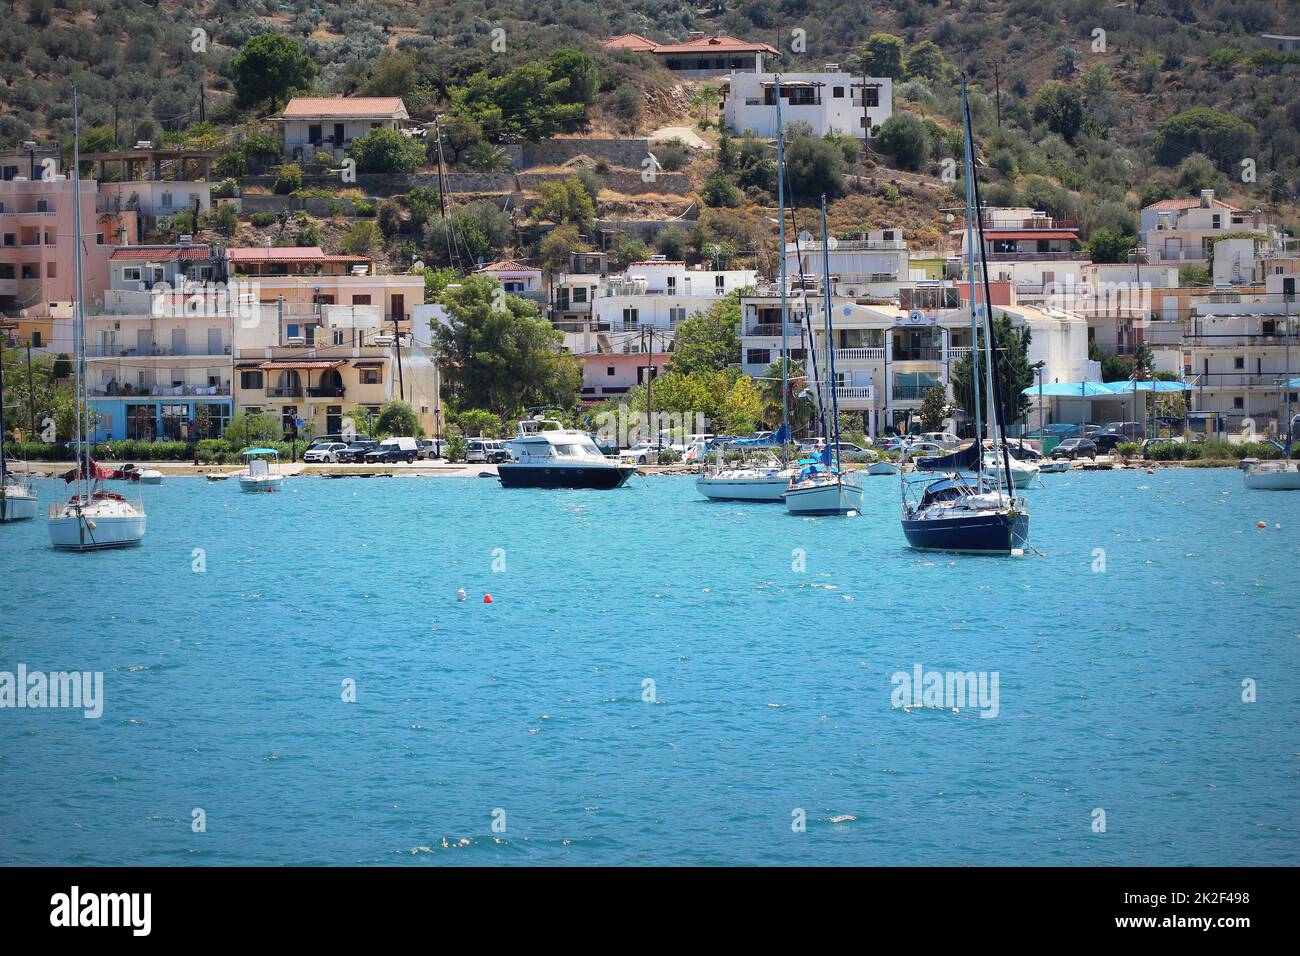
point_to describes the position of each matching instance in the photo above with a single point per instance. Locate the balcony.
(127, 390)
(293, 391)
(119, 351)
(911, 393)
(860, 355)
(1033, 222)
(1066, 256)
(922, 354)
(325, 391)
(767, 330)
(854, 394)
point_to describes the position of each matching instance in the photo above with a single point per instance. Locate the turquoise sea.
(771, 642)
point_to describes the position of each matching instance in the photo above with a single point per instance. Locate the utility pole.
(997, 97)
(31, 395)
(397, 344)
(442, 192)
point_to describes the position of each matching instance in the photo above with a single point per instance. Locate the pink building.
(37, 268)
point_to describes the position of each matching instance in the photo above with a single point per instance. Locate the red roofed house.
(517, 278)
(701, 54)
(312, 123)
(1036, 253)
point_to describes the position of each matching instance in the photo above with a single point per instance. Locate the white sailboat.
(17, 499)
(92, 519)
(768, 479)
(822, 487)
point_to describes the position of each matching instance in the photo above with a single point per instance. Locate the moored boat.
(258, 475)
(548, 455)
(1273, 476)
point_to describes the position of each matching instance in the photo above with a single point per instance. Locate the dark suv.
(1074, 448)
(357, 450)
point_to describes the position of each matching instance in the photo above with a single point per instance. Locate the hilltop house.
(831, 101)
(312, 123)
(1183, 232)
(1036, 253)
(662, 293)
(701, 55)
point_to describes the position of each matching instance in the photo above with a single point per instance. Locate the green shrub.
(288, 178)
(455, 448)
(262, 219)
(364, 209)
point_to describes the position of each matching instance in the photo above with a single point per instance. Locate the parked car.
(356, 450)
(1075, 448)
(1128, 431)
(392, 450)
(327, 451)
(925, 449)
(486, 451)
(852, 452)
(427, 449)
(335, 439)
(946, 439)
(1022, 452)
(642, 453)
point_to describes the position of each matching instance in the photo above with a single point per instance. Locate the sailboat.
(822, 487)
(17, 499)
(766, 478)
(92, 519)
(969, 510)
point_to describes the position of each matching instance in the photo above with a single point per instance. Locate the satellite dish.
(916, 317)
(805, 236)
(417, 265)
(832, 242)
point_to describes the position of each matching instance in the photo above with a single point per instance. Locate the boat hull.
(743, 489)
(17, 507)
(73, 532)
(980, 533)
(262, 485)
(830, 498)
(601, 478)
(1273, 480)
(882, 468)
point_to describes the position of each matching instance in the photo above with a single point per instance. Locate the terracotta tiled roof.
(1189, 204)
(658, 262)
(288, 254)
(507, 265)
(160, 253)
(717, 43)
(305, 107)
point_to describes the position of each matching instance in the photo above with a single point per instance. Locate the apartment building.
(830, 102)
(1241, 351)
(1033, 251)
(875, 264)
(663, 293)
(1183, 232)
(574, 291)
(887, 354)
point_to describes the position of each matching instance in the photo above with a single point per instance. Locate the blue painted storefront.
(158, 417)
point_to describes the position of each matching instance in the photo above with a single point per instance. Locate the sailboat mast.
(968, 158)
(785, 314)
(833, 385)
(78, 314)
(2, 417)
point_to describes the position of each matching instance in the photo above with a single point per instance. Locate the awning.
(1070, 390)
(367, 364)
(301, 363)
(1039, 234)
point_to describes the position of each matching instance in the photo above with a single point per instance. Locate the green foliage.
(386, 151)
(565, 202)
(673, 155)
(224, 219)
(531, 101)
(479, 423)
(934, 408)
(1059, 107)
(361, 239)
(905, 138)
(1106, 245)
(718, 191)
(270, 67)
(1224, 139)
(707, 341)
(246, 431)
(455, 448)
(477, 229)
(555, 248)
(288, 179)
(815, 167)
(882, 55)
(925, 61)
(1193, 276)
(398, 418)
(1012, 365)
(501, 360)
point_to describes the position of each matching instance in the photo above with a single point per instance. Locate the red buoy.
(487, 599)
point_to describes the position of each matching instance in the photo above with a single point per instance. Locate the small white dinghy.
(258, 474)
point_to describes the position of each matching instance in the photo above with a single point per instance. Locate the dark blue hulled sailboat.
(966, 511)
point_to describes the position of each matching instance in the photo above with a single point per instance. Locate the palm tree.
(802, 406)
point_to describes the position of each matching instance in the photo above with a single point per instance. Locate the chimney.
(1207, 198)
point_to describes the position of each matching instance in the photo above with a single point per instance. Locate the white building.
(1236, 355)
(155, 197)
(663, 293)
(311, 123)
(516, 278)
(1033, 251)
(830, 101)
(875, 265)
(1181, 232)
(887, 356)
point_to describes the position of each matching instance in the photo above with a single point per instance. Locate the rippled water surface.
(1120, 655)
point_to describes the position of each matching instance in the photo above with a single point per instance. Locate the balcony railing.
(127, 390)
(291, 392)
(325, 391)
(860, 355)
(923, 354)
(117, 351)
(1067, 256)
(912, 393)
(855, 393)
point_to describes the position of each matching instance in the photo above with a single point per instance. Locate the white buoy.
(460, 594)
(1017, 552)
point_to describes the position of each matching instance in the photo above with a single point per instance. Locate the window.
(870, 96)
(630, 318)
(837, 92)
(9, 239)
(1238, 361)
(1217, 221)
(51, 270)
(370, 376)
(252, 379)
(672, 284)
(1239, 402)
(131, 274)
(579, 294)
(609, 370)
(719, 284)
(360, 299)
(338, 337)
(99, 239)
(36, 338)
(42, 205)
(758, 357)
(6, 270)
(676, 315)
(166, 200)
